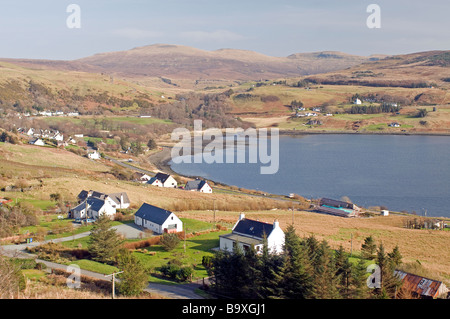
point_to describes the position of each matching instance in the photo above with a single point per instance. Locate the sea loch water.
(404, 173)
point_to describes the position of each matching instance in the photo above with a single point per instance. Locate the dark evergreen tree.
(360, 289)
(368, 248)
(389, 282)
(344, 271)
(134, 278)
(297, 280)
(395, 257)
(104, 243)
(325, 280)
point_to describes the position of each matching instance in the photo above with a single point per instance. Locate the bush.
(169, 241)
(185, 273)
(27, 263)
(175, 271)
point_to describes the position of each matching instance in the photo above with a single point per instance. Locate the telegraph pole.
(214, 200)
(114, 282)
(351, 244)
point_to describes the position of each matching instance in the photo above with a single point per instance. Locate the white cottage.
(93, 207)
(94, 155)
(199, 186)
(163, 180)
(157, 219)
(247, 234)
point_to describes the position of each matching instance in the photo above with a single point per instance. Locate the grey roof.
(254, 228)
(162, 177)
(194, 185)
(152, 213)
(114, 196)
(94, 204)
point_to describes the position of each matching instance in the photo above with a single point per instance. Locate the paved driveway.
(131, 231)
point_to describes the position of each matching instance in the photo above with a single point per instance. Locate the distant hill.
(421, 69)
(182, 62)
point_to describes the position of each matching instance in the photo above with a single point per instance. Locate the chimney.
(241, 216)
(276, 224)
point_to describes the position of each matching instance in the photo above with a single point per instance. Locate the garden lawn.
(95, 266)
(196, 248)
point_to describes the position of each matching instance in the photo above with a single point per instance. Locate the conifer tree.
(325, 279)
(395, 257)
(271, 274)
(369, 248)
(297, 280)
(134, 278)
(359, 276)
(389, 282)
(343, 270)
(104, 243)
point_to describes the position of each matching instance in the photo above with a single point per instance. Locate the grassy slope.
(278, 113)
(66, 173)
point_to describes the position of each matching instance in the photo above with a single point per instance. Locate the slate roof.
(194, 185)
(253, 228)
(114, 196)
(94, 204)
(152, 213)
(162, 177)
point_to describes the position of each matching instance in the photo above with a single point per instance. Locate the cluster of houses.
(167, 180)
(246, 233)
(47, 113)
(37, 136)
(93, 204)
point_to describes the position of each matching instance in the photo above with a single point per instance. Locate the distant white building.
(357, 101)
(94, 155)
(37, 141)
(198, 185)
(144, 178)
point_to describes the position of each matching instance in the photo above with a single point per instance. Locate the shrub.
(169, 241)
(27, 263)
(175, 271)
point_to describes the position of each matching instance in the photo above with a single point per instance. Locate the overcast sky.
(38, 28)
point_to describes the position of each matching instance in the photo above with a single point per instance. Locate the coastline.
(324, 132)
(162, 158)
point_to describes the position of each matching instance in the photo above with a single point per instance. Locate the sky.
(39, 29)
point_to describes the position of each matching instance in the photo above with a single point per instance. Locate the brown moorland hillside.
(421, 69)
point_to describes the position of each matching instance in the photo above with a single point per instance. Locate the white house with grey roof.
(198, 185)
(248, 233)
(93, 207)
(157, 219)
(163, 180)
(117, 200)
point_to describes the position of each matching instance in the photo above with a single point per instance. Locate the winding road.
(181, 291)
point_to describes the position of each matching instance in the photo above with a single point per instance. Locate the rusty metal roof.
(421, 285)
